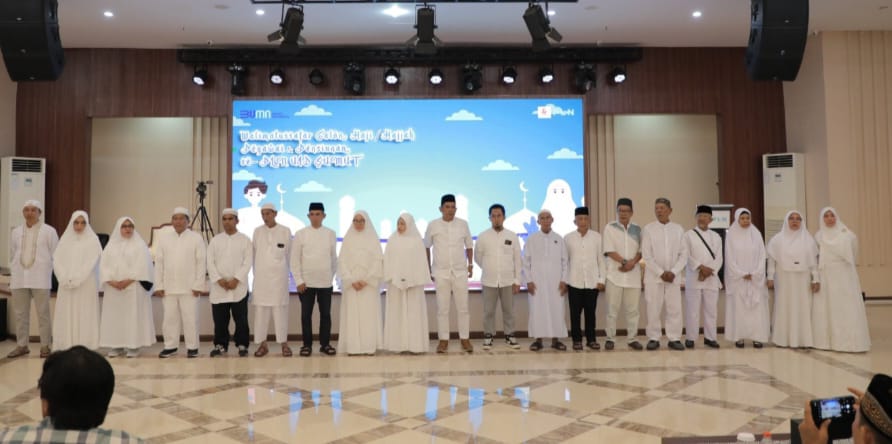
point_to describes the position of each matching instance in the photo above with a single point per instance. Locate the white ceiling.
(220, 23)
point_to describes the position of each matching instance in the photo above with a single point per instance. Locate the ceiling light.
(540, 27)
(289, 30)
(584, 77)
(391, 76)
(260, 12)
(424, 40)
(697, 14)
(509, 75)
(435, 76)
(471, 78)
(354, 78)
(238, 72)
(200, 76)
(617, 75)
(316, 77)
(546, 75)
(277, 76)
(108, 14)
(395, 11)
(551, 12)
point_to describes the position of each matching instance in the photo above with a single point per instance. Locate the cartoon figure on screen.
(559, 200)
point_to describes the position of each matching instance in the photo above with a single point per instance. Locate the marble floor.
(500, 396)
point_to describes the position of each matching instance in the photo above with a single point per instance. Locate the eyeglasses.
(126, 226)
(358, 221)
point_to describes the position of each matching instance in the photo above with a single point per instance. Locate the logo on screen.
(255, 114)
(543, 112)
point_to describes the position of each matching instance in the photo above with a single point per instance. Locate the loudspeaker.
(778, 31)
(29, 36)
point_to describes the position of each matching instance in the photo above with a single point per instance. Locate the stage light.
(277, 76)
(584, 77)
(354, 78)
(316, 77)
(391, 76)
(509, 75)
(289, 30)
(617, 75)
(540, 28)
(435, 76)
(424, 40)
(238, 72)
(546, 75)
(471, 78)
(200, 76)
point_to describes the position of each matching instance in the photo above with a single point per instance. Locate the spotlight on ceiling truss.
(471, 78)
(424, 41)
(289, 29)
(391, 76)
(316, 77)
(617, 75)
(509, 75)
(277, 76)
(200, 76)
(584, 77)
(540, 27)
(354, 78)
(239, 72)
(435, 76)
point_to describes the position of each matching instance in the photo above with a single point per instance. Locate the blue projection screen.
(391, 156)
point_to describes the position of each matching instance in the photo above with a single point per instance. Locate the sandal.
(306, 351)
(577, 346)
(328, 350)
(558, 345)
(262, 350)
(286, 350)
(757, 344)
(739, 344)
(536, 345)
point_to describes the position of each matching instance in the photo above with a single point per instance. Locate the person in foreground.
(873, 416)
(76, 387)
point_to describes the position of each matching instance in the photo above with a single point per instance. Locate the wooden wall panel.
(53, 117)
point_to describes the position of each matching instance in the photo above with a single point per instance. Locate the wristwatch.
(624, 262)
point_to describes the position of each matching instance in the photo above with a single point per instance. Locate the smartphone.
(840, 411)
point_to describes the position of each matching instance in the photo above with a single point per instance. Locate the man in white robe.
(622, 251)
(272, 252)
(180, 277)
(498, 255)
(31, 247)
(545, 269)
(230, 256)
(665, 255)
(314, 262)
(702, 282)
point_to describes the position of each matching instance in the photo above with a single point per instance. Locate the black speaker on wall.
(29, 37)
(778, 31)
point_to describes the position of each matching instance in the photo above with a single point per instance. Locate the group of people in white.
(817, 295)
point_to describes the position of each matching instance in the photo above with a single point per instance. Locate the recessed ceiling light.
(260, 12)
(551, 12)
(697, 14)
(395, 11)
(108, 14)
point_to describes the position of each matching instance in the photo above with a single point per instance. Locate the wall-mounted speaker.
(778, 31)
(29, 37)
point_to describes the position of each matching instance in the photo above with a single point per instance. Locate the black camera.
(840, 411)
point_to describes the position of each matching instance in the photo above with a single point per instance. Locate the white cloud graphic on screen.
(500, 165)
(239, 122)
(312, 187)
(245, 175)
(312, 110)
(551, 110)
(564, 153)
(463, 115)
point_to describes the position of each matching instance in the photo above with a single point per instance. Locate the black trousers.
(307, 299)
(239, 311)
(583, 301)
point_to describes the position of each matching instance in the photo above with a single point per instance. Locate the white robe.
(545, 263)
(406, 273)
(361, 259)
(747, 311)
(76, 262)
(792, 263)
(272, 252)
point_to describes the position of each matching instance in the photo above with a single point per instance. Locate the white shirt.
(272, 251)
(180, 262)
(663, 249)
(22, 248)
(545, 258)
(623, 241)
(229, 256)
(498, 255)
(314, 258)
(449, 241)
(698, 255)
(586, 259)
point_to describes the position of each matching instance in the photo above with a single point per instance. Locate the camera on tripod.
(202, 188)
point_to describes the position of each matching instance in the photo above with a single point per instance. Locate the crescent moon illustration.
(523, 188)
(280, 189)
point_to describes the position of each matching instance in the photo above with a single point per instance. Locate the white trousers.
(656, 295)
(627, 298)
(694, 299)
(261, 322)
(180, 307)
(448, 289)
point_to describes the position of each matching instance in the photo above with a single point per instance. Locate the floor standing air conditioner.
(783, 180)
(21, 178)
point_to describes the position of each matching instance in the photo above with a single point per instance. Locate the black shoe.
(653, 345)
(739, 344)
(687, 344)
(192, 353)
(577, 346)
(608, 345)
(676, 345)
(711, 343)
(593, 345)
(167, 352)
(218, 351)
(242, 351)
(756, 344)
(635, 345)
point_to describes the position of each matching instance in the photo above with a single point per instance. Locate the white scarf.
(361, 250)
(125, 258)
(745, 251)
(77, 253)
(836, 239)
(405, 262)
(793, 250)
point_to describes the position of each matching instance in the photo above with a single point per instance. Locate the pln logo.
(551, 110)
(255, 114)
(543, 112)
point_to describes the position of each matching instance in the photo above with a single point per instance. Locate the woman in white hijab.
(360, 269)
(747, 314)
(406, 273)
(839, 321)
(125, 271)
(75, 262)
(793, 274)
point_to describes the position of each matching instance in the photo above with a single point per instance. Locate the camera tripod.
(201, 215)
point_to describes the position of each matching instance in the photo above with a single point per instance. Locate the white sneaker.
(487, 342)
(511, 341)
(115, 352)
(132, 352)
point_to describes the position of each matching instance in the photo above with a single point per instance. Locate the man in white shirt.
(586, 278)
(180, 277)
(31, 247)
(622, 248)
(452, 265)
(314, 262)
(665, 254)
(702, 282)
(498, 254)
(230, 255)
(272, 253)
(546, 269)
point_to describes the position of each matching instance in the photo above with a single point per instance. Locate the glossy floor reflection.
(503, 395)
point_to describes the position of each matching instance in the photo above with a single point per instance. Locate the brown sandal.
(286, 351)
(262, 350)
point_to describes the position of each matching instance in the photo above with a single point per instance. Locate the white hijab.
(126, 258)
(837, 239)
(405, 260)
(77, 254)
(745, 252)
(361, 250)
(794, 250)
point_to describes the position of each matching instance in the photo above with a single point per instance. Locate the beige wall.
(844, 95)
(7, 113)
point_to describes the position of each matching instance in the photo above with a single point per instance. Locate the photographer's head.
(75, 388)
(873, 422)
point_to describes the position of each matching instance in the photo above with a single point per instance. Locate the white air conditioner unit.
(21, 179)
(783, 183)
